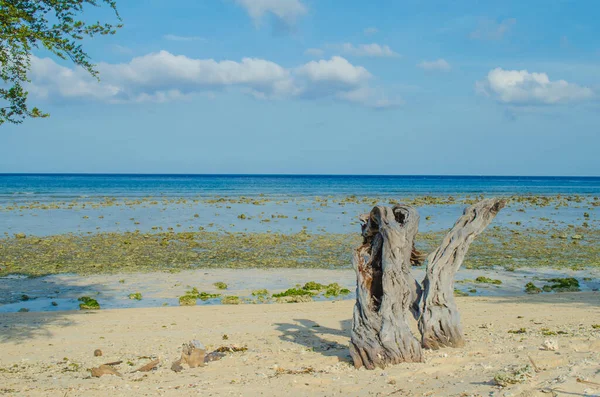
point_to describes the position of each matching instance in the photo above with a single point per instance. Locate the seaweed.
(231, 300)
(136, 296)
(220, 285)
(530, 288)
(88, 303)
(487, 280)
(567, 284)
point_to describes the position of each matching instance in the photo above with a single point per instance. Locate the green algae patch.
(231, 300)
(132, 252)
(487, 280)
(314, 286)
(187, 300)
(531, 288)
(294, 292)
(260, 292)
(458, 292)
(294, 299)
(136, 296)
(88, 303)
(568, 284)
(220, 285)
(334, 290)
(204, 296)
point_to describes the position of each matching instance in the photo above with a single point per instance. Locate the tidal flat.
(534, 237)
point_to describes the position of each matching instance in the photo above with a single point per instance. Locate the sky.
(323, 87)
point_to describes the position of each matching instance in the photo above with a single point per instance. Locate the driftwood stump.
(386, 290)
(440, 321)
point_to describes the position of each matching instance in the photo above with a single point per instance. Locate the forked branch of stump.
(387, 292)
(440, 321)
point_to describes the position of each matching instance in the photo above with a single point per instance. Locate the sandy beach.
(299, 349)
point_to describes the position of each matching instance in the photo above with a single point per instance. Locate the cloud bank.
(163, 77)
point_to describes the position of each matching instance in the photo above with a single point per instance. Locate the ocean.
(50, 204)
(41, 187)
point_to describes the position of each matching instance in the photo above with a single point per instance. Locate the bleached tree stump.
(386, 290)
(439, 323)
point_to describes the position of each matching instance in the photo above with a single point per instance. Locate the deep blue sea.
(65, 186)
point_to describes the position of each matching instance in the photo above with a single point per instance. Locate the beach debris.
(587, 382)
(302, 371)
(231, 349)
(115, 362)
(225, 337)
(88, 303)
(513, 375)
(517, 331)
(535, 367)
(550, 344)
(176, 366)
(104, 370)
(97, 353)
(193, 354)
(148, 367)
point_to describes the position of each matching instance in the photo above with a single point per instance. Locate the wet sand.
(164, 289)
(49, 354)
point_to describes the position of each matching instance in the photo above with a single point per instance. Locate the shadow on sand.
(20, 327)
(329, 342)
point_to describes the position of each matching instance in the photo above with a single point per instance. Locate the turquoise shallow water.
(292, 207)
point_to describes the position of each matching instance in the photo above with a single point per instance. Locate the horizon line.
(287, 175)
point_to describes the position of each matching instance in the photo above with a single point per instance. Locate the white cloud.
(287, 11)
(523, 88)
(370, 31)
(489, 29)
(368, 50)
(314, 52)
(440, 64)
(337, 70)
(174, 37)
(163, 77)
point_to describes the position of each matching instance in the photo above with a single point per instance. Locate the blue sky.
(324, 87)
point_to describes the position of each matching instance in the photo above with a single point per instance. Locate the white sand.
(292, 337)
